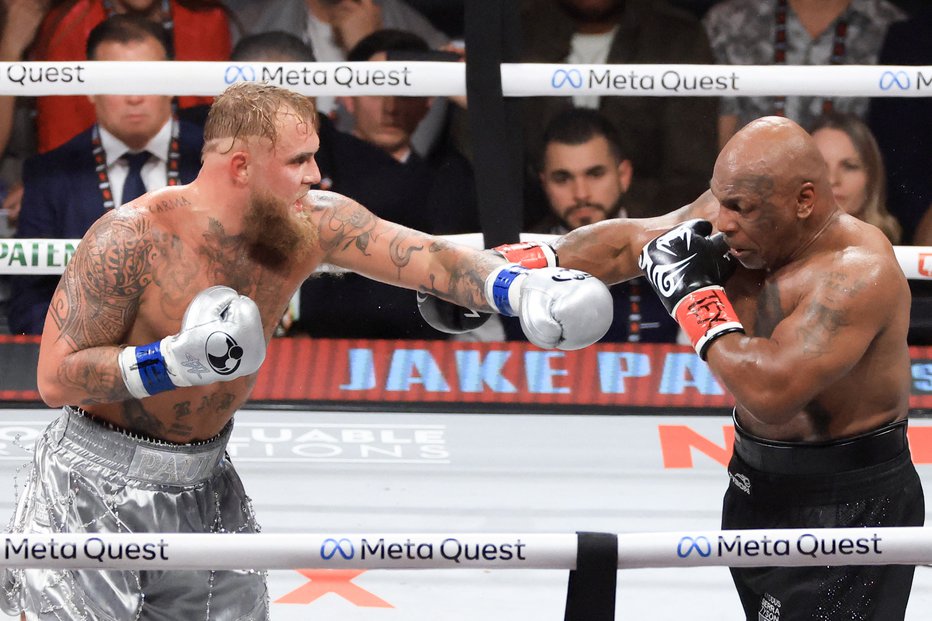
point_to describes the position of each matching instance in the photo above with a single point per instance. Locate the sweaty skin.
(249, 222)
(820, 293)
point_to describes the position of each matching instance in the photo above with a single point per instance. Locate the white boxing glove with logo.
(558, 307)
(221, 339)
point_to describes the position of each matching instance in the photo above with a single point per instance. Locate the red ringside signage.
(459, 373)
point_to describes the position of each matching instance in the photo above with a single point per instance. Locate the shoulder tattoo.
(99, 292)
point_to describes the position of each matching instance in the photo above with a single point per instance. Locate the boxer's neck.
(829, 219)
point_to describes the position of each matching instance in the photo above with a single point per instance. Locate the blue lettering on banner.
(361, 369)
(687, 370)
(479, 371)
(540, 373)
(476, 372)
(899, 79)
(415, 366)
(614, 367)
(922, 377)
(239, 73)
(566, 77)
(331, 547)
(687, 545)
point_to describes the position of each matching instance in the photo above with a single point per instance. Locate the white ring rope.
(418, 78)
(39, 256)
(731, 548)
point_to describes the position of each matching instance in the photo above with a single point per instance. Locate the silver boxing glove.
(221, 339)
(558, 307)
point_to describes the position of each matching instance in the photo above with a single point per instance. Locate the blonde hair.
(875, 203)
(251, 110)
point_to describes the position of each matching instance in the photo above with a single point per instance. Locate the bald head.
(772, 184)
(776, 148)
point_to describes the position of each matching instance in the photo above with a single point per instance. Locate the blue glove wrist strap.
(151, 368)
(500, 287)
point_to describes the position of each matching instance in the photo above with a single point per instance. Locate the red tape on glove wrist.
(705, 315)
(531, 255)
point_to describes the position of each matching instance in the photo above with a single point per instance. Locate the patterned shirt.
(742, 32)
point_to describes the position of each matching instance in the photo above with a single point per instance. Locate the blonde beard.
(276, 233)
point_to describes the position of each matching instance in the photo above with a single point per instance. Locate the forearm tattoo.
(466, 281)
(343, 224)
(402, 248)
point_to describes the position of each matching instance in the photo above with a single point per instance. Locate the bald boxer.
(160, 323)
(801, 311)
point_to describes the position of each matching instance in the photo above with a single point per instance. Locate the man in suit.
(136, 145)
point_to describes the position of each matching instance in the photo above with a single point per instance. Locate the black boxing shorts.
(867, 481)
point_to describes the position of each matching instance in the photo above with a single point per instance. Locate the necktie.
(134, 187)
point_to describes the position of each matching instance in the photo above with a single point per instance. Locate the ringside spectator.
(136, 145)
(195, 29)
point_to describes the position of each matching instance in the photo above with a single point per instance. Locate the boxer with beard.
(159, 326)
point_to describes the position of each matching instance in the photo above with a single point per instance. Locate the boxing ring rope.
(420, 78)
(728, 548)
(40, 256)
(268, 551)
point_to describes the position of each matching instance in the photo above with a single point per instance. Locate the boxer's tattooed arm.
(466, 280)
(95, 303)
(343, 223)
(827, 313)
(402, 246)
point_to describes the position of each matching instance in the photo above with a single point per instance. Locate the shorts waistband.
(863, 451)
(140, 458)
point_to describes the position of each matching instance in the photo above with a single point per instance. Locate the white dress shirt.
(154, 172)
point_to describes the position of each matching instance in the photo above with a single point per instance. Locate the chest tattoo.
(769, 310)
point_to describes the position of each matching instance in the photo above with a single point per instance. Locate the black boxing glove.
(687, 269)
(449, 317)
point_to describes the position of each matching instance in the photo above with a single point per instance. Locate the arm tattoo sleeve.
(97, 300)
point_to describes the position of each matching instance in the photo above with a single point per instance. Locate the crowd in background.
(67, 159)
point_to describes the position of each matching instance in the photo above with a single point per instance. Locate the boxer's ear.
(805, 200)
(240, 167)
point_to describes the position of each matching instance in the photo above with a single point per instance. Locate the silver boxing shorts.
(88, 477)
